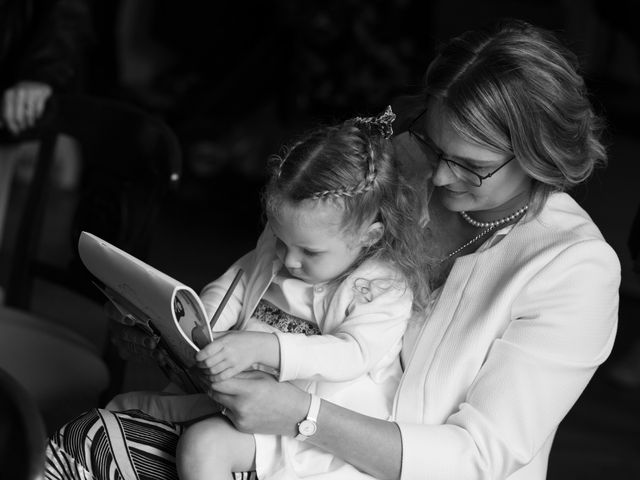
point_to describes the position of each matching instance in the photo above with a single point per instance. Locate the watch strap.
(314, 408)
(312, 416)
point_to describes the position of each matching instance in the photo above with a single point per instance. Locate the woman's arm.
(370, 444)
(257, 403)
(563, 328)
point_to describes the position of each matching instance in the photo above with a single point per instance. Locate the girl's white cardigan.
(362, 320)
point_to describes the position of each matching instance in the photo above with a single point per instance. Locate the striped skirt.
(105, 445)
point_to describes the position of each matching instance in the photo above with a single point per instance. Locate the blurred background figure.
(42, 44)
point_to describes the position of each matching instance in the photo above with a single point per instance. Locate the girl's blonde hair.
(353, 164)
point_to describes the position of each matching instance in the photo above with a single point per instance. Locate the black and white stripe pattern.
(104, 445)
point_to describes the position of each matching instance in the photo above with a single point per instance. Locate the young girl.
(324, 303)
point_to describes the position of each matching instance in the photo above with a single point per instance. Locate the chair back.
(130, 160)
(22, 432)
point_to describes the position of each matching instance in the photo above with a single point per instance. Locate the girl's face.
(457, 194)
(311, 241)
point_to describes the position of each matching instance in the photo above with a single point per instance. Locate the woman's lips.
(455, 192)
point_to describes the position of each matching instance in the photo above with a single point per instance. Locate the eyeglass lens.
(463, 174)
(436, 156)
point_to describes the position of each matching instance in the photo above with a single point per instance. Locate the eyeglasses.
(464, 173)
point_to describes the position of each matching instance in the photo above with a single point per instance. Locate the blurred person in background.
(42, 46)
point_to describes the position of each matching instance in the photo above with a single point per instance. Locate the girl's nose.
(291, 260)
(443, 175)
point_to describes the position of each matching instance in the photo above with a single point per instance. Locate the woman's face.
(458, 194)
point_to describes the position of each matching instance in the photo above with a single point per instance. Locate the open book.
(158, 304)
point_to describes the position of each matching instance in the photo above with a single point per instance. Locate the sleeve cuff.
(288, 365)
(423, 452)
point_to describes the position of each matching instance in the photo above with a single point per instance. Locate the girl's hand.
(23, 104)
(235, 351)
(257, 403)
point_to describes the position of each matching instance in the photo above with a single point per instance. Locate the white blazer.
(516, 334)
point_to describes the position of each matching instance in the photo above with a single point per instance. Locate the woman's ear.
(372, 235)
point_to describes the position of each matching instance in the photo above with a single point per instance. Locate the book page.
(188, 314)
(168, 307)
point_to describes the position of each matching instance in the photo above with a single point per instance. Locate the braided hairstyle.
(353, 165)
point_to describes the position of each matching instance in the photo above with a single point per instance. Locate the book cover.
(155, 302)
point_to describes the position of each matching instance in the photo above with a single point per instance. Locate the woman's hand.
(257, 403)
(23, 104)
(235, 351)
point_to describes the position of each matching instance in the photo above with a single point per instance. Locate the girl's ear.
(372, 235)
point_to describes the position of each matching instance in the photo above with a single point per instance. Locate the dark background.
(235, 79)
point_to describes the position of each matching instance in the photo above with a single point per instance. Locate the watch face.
(307, 428)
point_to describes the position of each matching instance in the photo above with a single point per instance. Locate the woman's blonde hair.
(514, 88)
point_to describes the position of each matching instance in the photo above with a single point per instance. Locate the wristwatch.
(308, 426)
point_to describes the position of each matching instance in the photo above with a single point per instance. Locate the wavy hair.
(353, 165)
(516, 89)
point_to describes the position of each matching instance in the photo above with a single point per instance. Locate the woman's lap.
(105, 445)
(102, 445)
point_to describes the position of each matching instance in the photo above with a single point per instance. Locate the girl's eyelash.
(308, 253)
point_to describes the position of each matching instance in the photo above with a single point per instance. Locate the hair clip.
(382, 123)
(385, 121)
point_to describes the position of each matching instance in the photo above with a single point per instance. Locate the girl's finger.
(208, 351)
(217, 335)
(231, 386)
(224, 375)
(214, 369)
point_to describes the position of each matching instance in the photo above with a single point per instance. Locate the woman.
(525, 306)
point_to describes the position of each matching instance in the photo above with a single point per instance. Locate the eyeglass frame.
(440, 155)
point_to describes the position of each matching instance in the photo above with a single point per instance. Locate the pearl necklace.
(488, 227)
(466, 244)
(495, 223)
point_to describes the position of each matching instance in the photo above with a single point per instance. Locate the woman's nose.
(443, 175)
